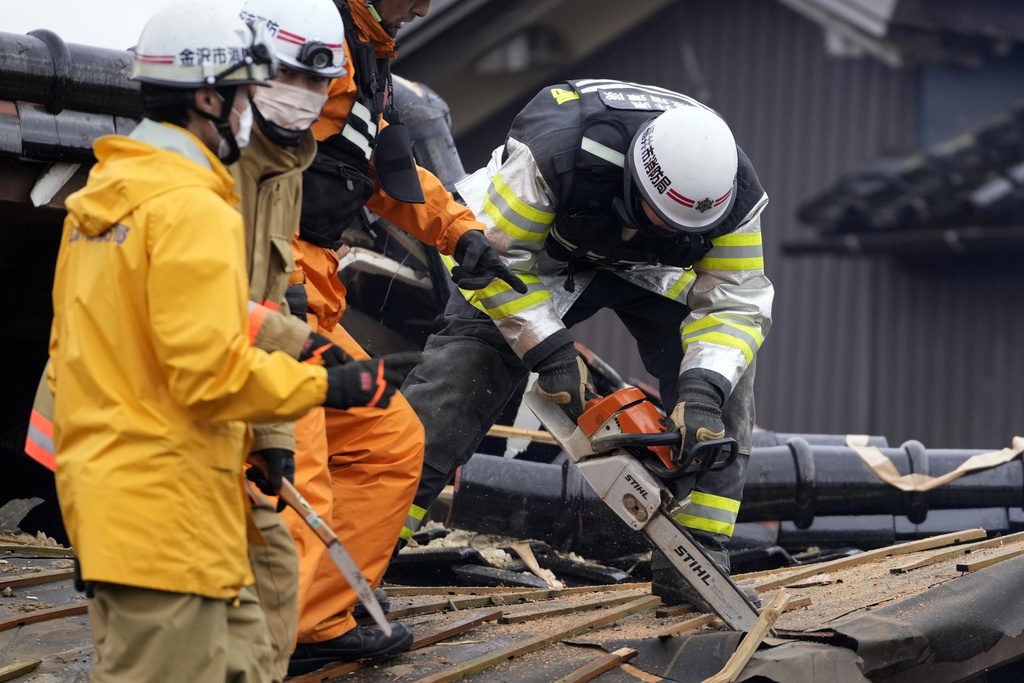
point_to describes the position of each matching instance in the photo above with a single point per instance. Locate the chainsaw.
(623, 450)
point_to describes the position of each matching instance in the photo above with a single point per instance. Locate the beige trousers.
(144, 636)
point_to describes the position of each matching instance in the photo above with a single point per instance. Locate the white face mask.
(241, 137)
(289, 106)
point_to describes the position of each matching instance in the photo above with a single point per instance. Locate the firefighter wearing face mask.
(613, 195)
(360, 468)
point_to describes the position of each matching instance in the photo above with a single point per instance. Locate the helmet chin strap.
(222, 124)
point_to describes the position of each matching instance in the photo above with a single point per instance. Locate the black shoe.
(360, 611)
(361, 643)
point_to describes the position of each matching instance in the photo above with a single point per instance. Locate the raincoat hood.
(156, 159)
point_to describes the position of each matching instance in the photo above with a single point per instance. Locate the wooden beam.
(749, 644)
(959, 550)
(597, 667)
(41, 615)
(684, 626)
(497, 600)
(864, 558)
(34, 578)
(457, 671)
(589, 605)
(989, 561)
(506, 432)
(490, 590)
(336, 670)
(12, 671)
(36, 550)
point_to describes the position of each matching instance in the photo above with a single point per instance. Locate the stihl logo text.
(636, 485)
(695, 566)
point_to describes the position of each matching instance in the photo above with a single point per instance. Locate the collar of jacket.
(372, 31)
(157, 158)
(262, 158)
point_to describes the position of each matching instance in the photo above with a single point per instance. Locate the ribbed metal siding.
(858, 345)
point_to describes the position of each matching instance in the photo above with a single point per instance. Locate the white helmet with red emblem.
(308, 35)
(684, 162)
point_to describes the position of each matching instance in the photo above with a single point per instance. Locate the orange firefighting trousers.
(358, 468)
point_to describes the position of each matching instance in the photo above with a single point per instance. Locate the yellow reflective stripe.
(712, 501)
(723, 339)
(718, 331)
(406, 533)
(516, 306)
(412, 522)
(702, 524)
(418, 513)
(746, 239)
(681, 285)
(562, 95)
(727, 263)
(525, 222)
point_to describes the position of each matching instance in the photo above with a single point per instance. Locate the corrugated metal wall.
(865, 345)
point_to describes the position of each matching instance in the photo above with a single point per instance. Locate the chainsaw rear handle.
(706, 456)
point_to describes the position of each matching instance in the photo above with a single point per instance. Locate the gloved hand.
(479, 264)
(298, 302)
(369, 383)
(564, 380)
(319, 350)
(270, 467)
(697, 416)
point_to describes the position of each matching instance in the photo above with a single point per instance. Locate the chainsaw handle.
(706, 456)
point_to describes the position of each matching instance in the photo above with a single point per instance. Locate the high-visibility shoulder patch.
(562, 95)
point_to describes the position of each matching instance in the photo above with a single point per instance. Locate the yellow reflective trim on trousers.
(712, 501)
(681, 285)
(412, 522)
(723, 339)
(707, 326)
(703, 524)
(727, 263)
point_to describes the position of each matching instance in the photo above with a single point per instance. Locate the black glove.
(697, 416)
(563, 379)
(369, 383)
(319, 350)
(479, 264)
(298, 303)
(270, 467)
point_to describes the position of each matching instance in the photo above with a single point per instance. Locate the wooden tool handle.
(290, 495)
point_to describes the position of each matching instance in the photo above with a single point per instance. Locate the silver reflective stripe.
(357, 139)
(502, 298)
(603, 152)
(735, 252)
(40, 439)
(724, 329)
(507, 212)
(361, 112)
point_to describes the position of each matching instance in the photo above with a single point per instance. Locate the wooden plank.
(335, 670)
(41, 615)
(684, 626)
(959, 550)
(12, 671)
(494, 600)
(457, 671)
(34, 578)
(870, 556)
(989, 561)
(506, 432)
(597, 667)
(36, 550)
(401, 591)
(589, 605)
(732, 669)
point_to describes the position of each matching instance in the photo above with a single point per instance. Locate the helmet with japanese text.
(683, 163)
(195, 45)
(307, 35)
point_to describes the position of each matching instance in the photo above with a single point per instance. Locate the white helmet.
(196, 45)
(309, 35)
(684, 163)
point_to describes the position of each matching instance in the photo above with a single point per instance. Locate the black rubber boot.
(361, 643)
(360, 611)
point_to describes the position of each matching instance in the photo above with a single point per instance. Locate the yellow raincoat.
(153, 372)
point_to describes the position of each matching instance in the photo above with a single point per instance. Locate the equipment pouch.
(395, 165)
(333, 193)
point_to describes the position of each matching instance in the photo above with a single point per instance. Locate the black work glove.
(479, 264)
(270, 467)
(319, 350)
(697, 415)
(369, 383)
(564, 380)
(298, 302)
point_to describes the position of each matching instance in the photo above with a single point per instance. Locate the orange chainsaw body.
(627, 411)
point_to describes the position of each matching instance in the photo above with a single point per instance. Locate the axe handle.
(290, 495)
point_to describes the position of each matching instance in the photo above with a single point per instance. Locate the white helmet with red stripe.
(684, 164)
(308, 35)
(193, 45)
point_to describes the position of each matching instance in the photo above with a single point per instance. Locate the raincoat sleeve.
(197, 302)
(730, 306)
(518, 210)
